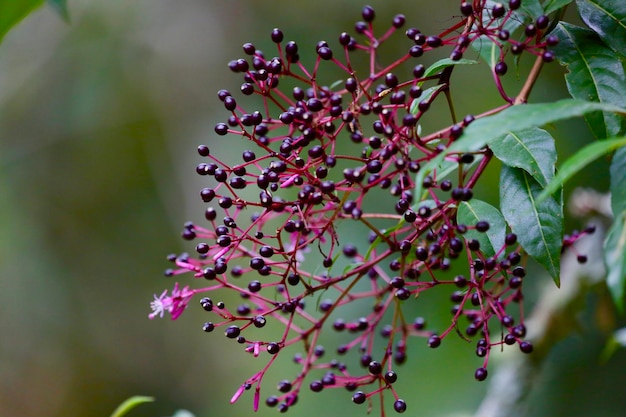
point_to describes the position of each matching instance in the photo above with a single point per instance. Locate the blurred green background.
(99, 120)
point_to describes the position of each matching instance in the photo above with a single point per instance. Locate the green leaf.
(532, 150)
(488, 50)
(13, 11)
(538, 225)
(618, 181)
(61, 7)
(442, 64)
(336, 84)
(426, 95)
(581, 159)
(554, 5)
(595, 73)
(608, 19)
(615, 259)
(469, 213)
(532, 8)
(129, 404)
(483, 131)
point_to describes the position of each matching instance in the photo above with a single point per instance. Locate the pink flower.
(174, 304)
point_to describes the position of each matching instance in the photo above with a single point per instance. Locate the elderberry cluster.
(322, 157)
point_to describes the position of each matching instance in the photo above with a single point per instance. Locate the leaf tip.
(131, 403)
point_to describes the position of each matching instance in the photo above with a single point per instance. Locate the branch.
(554, 316)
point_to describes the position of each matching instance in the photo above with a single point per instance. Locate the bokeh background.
(99, 121)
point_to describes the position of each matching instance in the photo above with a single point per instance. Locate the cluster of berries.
(322, 158)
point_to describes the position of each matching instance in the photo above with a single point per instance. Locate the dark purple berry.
(210, 214)
(221, 129)
(368, 13)
(325, 53)
(416, 51)
(526, 347)
(480, 374)
(517, 48)
(460, 281)
(519, 271)
(359, 397)
(316, 386)
(543, 21)
(397, 282)
(519, 330)
(510, 239)
(547, 56)
(501, 68)
(456, 55)
(273, 348)
(433, 41)
(410, 216)
(507, 321)
(398, 21)
(391, 377)
(462, 42)
(206, 303)
(249, 48)
(514, 258)
(434, 341)
(374, 368)
(291, 48)
(339, 325)
(419, 71)
(277, 35)
(284, 386)
(247, 89)
(515, 282)
(271, 401)
(466, 8)
(411, 33)
(456, 297)
(203, 150)
(498, 10)
(254, 286)
(482, 226)
(456, 131)
(391, 80)
(552, 40)
(232, 332)
(259, 321)
(473, 244)
(399, 406)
